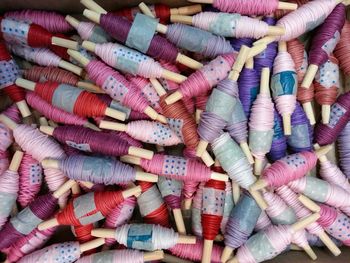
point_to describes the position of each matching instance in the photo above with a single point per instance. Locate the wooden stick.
(247, 152)
(119, 115)
(140, 152)
(63, 188)
(103, 232)
(8, 122)
(43, 122)
(201, 147)
(24, 83)
(145, 10)
(301, 224)
(260, 184)
(90, 87)
(176, 77)
(236, 192)
(147, 177)
(326, 113)
(90, 46)
(309, 76)
(259, 199)
(152, 256)
(113, 126)
(16, 161)
(92, 15)
(172, 259)
(187, 20)
(72, 21)
(189, 62)
(226, 253)
(132, 191)
(78, 57)
(206, 158)
(329, 244)
(307, 106)
(180, 224)
(62, 42)
(23, 108)
(91, 244)
(239, 63)
(93, 6)
(207, 251)
(70, 67)
(183, 239)
(186, 10)
(308, 203)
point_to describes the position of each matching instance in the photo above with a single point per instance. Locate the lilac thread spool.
(263, 222)
(340, 113)
(302, 131)
(196, 211)
(240, 225)
(344, 150)
(229, 205)
(279, 141)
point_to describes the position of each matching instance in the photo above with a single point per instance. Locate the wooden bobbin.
(8, 122)
(179, 221)
(153, 256)
(90, 87)
(186, 10)
(91, 244)
(93, 6)
(109, 125)
(258, 199)
(23, 108)
(226, 254)
(16, 161)
(115, 114)
(309, 204)
(72, 21)
(43, 122)
(309, 110)
(172, 259)
(207, 251)
(70, 67)
(326, 113)
(309, 76)
(236, 192)
(145, 10)
(62, 42)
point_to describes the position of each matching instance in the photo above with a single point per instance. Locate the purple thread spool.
(119, 28)
(340, 114)
(241, 222)
(302, 131)
(315, 241)
(237, 43)
(249, 86)
(218, 112)
(327, 36)
(279, 141)
(344, 150)
(28, 219)
(170, 190)
(267, 57)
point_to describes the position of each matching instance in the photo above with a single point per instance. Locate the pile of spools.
(203, 133)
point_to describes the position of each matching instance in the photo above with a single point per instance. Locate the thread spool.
(284, 85)
(302, 133)
(291, 198)
(43, 57)
(220, 105)
(328, 133)
(343, 149)
(42, 74)
(152, 206)
(6, 135)
(230, 201)
(326, 85)
(153, 45)
(332, 194)
(196, 210)
(341, 49)
(289, 168)
(144, 66)
(171, 192)
(4, 161)
(120, 215)
(75, 99)
(100, 170)
(27, 136)
(30, 180)
(248, 8)
(71, 250)
(276, 234)
(305, 96)
(234, 162)
(241, 223)
(32, 35)
(156, 237)
(8, 76)
(279, 141)
(10, 186)
(117, 86)
(324, 41)
(86, 215)
(261, 123)
(30, 217)
(312, 13)
(203, 79)
(92, 141)
(216, 23)
(28, 244)
(145, 131)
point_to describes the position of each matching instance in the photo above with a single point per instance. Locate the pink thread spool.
(305, 96)
(67, 251)
(263, 222)
(269, 243)
(194, 252)
(9, 187)
(27, 244)
(4, 161)
(177, 168)
(340, 113)
(87, 140)
(204, 79)
(52, 21)
(284, 85)
(145, 131)
(116, 85)
(131, 61)
(53, 113)
(119, 216)
(196, 209)
(288, 169)
(341, 51)
(326, 84)
(27, 136)
(248, 7)
(261, 123)
(8, 74)
(43, 57)
(30, 179)
(6, 137)
(324, 41)
(291, 198)
(321, 191)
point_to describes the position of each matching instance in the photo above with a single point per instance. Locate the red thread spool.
(342, 50)
(8, 74)
(160, 214)
(212, 214)
(38, 74)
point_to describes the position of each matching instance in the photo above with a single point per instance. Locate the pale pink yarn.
(4, 161)
(122, 255)
(332, 174)
(276, 206)
(6, 137)
(85, 29)
(263, 222)
(300, 238)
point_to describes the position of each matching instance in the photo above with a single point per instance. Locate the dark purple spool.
(118, 27)
(43, 207)
(340, 114)
(333, 23)
(173, 201)
(248, 87)
(279, 140)
(236, 43)
(302, 131)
